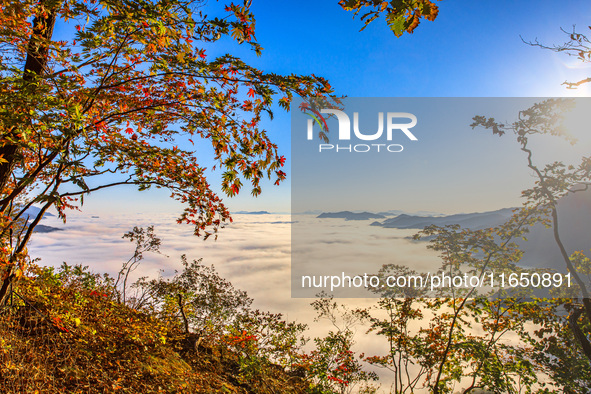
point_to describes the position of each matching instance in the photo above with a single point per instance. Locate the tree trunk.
(6, 288)
(35, 66)
(37, 57)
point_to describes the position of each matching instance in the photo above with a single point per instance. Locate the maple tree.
(118, 102)
(401, 15)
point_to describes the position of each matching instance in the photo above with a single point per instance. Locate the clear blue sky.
(473, 49)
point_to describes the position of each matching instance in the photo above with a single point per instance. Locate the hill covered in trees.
(68, 330)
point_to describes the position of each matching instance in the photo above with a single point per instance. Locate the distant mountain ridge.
(32, 213)
(348, 215)
(474, 221)
(396, 212)
(540, 249)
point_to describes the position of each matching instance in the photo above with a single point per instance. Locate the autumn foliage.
(65, 331)
(104, 93)
(129, 94)
(401, 15)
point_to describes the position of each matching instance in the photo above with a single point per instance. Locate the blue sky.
(473, 49)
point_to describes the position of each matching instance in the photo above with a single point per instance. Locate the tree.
(197, 298)
(145, 241)
(578, 45)
(553, 333)
(333, 363)
(117, 102)
(554, 181)
(463, 341)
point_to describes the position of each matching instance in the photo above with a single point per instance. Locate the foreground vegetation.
(65, 331)
(71, 330)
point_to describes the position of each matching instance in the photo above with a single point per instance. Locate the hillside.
(67, 333)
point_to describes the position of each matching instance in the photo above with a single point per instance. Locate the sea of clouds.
(253, 252)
